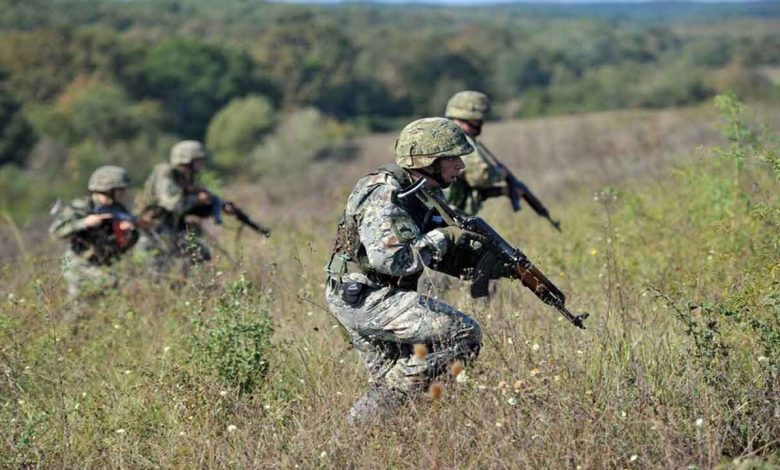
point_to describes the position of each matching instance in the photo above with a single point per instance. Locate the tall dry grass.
(646, 386)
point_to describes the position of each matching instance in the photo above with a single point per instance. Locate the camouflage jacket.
(480, 180)
(100, 245)
(382, 240)
(168, 195)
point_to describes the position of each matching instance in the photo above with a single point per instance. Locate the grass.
(678, 369)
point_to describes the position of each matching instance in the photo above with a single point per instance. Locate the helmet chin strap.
(436, 174)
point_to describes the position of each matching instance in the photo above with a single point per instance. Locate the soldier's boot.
(378, 402)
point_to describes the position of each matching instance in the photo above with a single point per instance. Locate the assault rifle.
(500, 251)
(218, 205)
(518, 190)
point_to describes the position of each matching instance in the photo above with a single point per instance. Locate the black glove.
(461, 239)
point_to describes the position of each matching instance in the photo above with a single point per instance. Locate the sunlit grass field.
(679, 366)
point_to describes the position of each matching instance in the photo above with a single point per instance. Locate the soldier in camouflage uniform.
(383, 243)
(482, 178)
(100, 230)
(171, 205)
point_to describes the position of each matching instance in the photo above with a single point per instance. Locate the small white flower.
(633, 458)
(499, 424)
(510, 341)
(166, 349)
(231, 428)
(535, 347)
(128, 372)
(763, 359)
(622, 414)
(323, 454)
(699, 422)
(223, 393)
(120, 431)
(512, 401)
(267, 407)
(182, 433)
(21, 402)
(462, 378)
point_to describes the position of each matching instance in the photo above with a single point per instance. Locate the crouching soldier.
(100, 230)
(384, 240)
(170, 207)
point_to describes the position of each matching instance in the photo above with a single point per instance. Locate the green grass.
(679, 367)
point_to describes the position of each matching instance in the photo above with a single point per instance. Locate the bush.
(233, 343)
(239, 127)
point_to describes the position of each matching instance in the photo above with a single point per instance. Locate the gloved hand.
(458, 237)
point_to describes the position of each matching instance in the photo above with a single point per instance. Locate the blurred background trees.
(264, 84)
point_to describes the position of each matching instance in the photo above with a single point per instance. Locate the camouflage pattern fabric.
(84, 264)
(383, 321)
(479, 181)
(164, 203)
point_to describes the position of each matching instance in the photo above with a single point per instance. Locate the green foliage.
(195, 79)
(233, 343)
(16, 135)
(301, 138)
(237, 128)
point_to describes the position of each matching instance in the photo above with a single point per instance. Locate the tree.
(194, 79)
(238, 128)
(16, 135)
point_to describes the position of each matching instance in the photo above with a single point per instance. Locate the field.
(670, 242)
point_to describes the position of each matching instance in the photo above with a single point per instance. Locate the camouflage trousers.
(163, 249)
(85, 278)
(384, 325)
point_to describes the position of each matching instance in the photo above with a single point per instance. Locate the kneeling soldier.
(383, 242)
(100, 230)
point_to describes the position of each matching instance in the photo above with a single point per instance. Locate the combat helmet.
(108, 177)
(426, 140)
(468, 105)
(187, 151)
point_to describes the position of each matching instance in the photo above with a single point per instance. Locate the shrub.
(232, 344)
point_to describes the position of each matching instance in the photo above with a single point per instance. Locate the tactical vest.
(104, 244)
(146, 203)
(349, 255)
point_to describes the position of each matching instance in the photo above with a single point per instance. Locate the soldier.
(100, 230)
(383, 242)
(482, 178)
(171, 205)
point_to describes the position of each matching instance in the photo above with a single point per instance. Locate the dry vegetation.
(679, 274)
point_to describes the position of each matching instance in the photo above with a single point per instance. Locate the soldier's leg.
(411, 318)
(84, 280)
(386, 325)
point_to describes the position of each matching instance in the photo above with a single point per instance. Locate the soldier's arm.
(173, 198)
(393, 242)
(68, 223)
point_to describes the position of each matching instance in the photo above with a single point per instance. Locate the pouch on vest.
(353, 293)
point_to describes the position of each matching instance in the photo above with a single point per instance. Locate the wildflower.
(120, 431)
(512, 401)
(435, 390)
(763, 359)
(509, 341)
(633, 458)
(518, 384)
(323, 454)
(499, 424)
(128, 372)
(166, 349)
(594, 252)
(231, 428)
(21, 402)
(699, 422)
(223, 393)
(420, 351)
(535, 347)
(534, 372)
(461, 378)
(456, 368)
